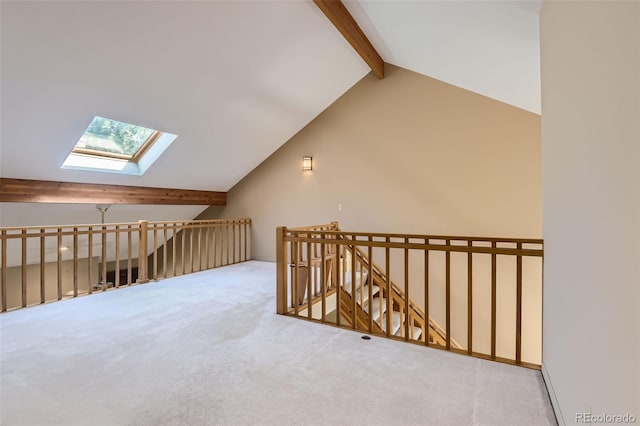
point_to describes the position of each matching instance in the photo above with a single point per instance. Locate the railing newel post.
(281, 288)
(143, 265)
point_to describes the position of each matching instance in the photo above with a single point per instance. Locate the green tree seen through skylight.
(106, 135)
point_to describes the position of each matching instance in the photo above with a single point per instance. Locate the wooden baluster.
(469, 299)
(246, 229)
(75, 262)
(343, 270)
(233, 233)
(448, 294)
(380, 297)
(199, 248)
(295, 257)
(4, 271)
(228, 243)
(191, 254)
(155, 251)
(221, 248)
(184, 238)
(336, 281)
(493, 301)
(206, 246)
(519, 306)
(42, 264)
(90, 258)
(223, 241)
(360, 277)
(353, 286)
(104, 258)
(142, 253)
(323, 279)
(59, 263)
(165, 247)
(370, 279)
(129, 254)
(238, 248)
(309, 281)
(117, 270)
(24, 268)
(317, 278)
(407, 322)
(427, 326)
(389, 289)
(174, 242)
(215, 245)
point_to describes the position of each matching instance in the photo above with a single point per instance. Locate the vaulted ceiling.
(233, 79)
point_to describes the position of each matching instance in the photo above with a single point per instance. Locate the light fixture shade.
(307, 163)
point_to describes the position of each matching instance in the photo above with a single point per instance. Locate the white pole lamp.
(102, 208)
(307, 163)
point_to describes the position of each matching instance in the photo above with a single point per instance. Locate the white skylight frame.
(104, 162)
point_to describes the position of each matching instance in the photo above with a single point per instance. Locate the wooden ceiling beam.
(338, 14)
(40, 191)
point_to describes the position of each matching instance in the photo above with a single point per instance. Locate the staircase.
(366, 297)
(329, 276)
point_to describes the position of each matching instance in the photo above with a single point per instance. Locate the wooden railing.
(39, 264)
(486, 292)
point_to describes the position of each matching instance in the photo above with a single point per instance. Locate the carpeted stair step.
(417, 331)
(375, 311)
(347, 279)
(395, 323)
(365, 288)
(395, 326)
(365, 293)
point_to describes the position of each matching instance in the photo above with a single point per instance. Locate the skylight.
(116, 147)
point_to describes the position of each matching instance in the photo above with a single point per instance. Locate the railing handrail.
(310, 229)
(211, 243)
(411, 246)
(199, 221)
(300, 240)
(204, 221)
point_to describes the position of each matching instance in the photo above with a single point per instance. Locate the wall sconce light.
(307, 163)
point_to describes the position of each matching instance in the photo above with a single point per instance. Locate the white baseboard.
(553, 397)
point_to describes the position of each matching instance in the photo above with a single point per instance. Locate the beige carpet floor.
(207, 349)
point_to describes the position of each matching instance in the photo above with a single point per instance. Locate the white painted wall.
(591, 221)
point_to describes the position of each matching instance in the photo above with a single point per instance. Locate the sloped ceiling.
(488, 47)
(233, 79)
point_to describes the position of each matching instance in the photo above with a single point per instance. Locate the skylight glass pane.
(116, 137)
(111, 146)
